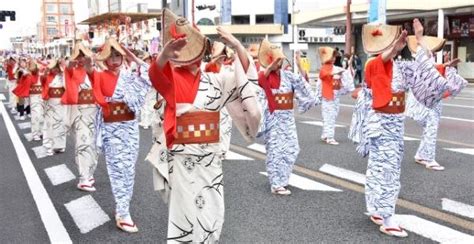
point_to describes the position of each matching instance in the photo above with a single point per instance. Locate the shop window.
(51, 19)
(241, 19)
(264, 19)
(51, 8)
(65, 8)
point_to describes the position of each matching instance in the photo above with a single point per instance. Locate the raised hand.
(418, 29)
(452, 63)
(228, 38)
(401, 42)
(173, 47)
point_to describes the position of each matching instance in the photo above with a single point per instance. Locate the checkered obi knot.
(197, 127)
(395, 106)
(56, 92)
(86, 97)
(119, 112)
(35, 89)
(284, 101)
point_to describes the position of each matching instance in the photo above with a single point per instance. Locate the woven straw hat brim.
(78, 48)
(326, 54)
(217, 49)
(197, 42)
(378, 38)
(253, 50)
(32, 66)
(433, 44)
(53, 63)
(267, 50)
(107, 50)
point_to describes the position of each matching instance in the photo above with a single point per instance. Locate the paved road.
(327, 204)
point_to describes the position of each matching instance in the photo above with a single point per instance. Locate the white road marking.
(457, 105)
(235, 156)
(59, 174)
(458, 119)
(319, 123)
(86, 213)
(24, 125)
(407, 138)
(433, 231)
(307, 184)
(40, 151)
(469, 151)
(346, 105)
(343, 173)
(54, 227)
(28, 136)
(258, 147)
(16, 117)
(2, 97)
(458, 208)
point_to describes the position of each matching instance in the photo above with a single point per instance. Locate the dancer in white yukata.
(81, 112)
(429, 118)
(188, 168)
(281, 87)
(54, 129)
(378, 125)
(120, 94)
(147, 113)
(333, 82)
(11, 83)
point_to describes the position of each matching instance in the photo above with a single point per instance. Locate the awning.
(135, 17)
(260, 29)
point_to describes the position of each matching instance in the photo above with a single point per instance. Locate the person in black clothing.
(357, 65)
(338, 61)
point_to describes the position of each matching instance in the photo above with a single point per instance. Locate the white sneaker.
(29, 115)
(13, 111)
(49, 152)
(22, 117)
(332, 141)
(36, 138)
(59, 150)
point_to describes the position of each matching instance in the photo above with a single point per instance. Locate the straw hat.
(175, 27)
(268, 52)
(219, 49)
(433, 44)
(32, 65)
(378, 38)
(107, 49)
(326, 54)
(78, 48)
(253, 50)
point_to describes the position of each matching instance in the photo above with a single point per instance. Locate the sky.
(28, 17)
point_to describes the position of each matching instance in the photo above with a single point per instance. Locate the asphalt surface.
(253, 215)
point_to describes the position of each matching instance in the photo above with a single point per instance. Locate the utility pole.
(295, 34)
(348, 28)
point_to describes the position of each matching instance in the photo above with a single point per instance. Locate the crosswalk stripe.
(433, 231)
(320, 123)
(59, 174)
(343, 173)
(469, 151)
(235, 156)
(307, 184)
(28, 136)
(86, 213)
(2, 97)
(24, 125)
(40, 151)
(258, 147)
(457, 208)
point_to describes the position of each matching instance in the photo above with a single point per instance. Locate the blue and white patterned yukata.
(54, 128)
(380, 135)
(428, 118)
(119, 141)
(279, 128)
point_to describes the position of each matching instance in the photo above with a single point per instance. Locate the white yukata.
(147, 112)
(380, 135)
(54, 130)
(37, 112)
(189, 176)
(81, 119)
(119, 141)
(279, 128)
